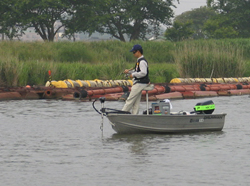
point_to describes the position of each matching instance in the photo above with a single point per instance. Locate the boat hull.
(126, 123)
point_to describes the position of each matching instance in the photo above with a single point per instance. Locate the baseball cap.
(136, 47)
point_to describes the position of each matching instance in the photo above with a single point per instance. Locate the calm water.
(59, 143)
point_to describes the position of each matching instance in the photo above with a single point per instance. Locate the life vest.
(144, 79)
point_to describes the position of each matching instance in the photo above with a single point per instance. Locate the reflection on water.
(49, 142)
(139, 143)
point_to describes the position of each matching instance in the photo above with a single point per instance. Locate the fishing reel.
(126, 76)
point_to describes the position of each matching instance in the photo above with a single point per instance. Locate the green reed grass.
(86, 52)
(210, 58)
(28, 63)
(162, 72)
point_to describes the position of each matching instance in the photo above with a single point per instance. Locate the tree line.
(218, 20)
(134, 18)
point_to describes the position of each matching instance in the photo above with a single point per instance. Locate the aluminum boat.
(126, 123)
(160, 119)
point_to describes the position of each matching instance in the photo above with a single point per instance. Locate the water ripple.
(59, 143)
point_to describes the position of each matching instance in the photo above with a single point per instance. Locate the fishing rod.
(126, 75)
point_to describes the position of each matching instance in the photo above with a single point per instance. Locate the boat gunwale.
(148, 129)
(170, 115)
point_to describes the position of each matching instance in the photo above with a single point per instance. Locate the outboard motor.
(206, 107)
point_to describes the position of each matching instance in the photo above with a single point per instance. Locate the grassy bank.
(28, 63)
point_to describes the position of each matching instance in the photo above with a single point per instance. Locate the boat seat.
(149, 87)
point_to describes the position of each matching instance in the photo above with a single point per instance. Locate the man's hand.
(126, 71)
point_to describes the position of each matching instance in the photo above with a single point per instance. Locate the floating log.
(109, 97)
(102, 91)
(10, 96)
(205, 94)
(234, 92)
(188, 95)
(197, 94)
(56, 93)
(31, 95)
(239, 92)
(184, 88)
(68, 97)
(171, 95)
(116, 90)
(157, 90)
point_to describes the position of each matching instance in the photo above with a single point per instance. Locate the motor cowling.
(206, 107)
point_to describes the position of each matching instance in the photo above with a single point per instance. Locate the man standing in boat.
(140, 80)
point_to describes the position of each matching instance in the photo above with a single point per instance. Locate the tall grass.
(209, 59)
(162, 72)
(86, 52)
(28, 63)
